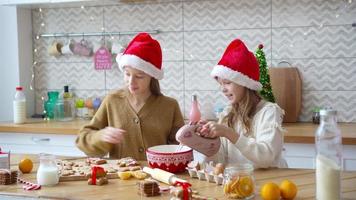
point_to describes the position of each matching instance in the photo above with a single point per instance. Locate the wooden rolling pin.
(163, 176)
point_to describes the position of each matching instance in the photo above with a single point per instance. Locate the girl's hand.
(200, 125)
(113, 135)
(213, 129)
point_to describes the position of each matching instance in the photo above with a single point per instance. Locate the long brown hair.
(244, 110)
(154, 87)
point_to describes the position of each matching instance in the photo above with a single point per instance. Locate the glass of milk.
(48, 172)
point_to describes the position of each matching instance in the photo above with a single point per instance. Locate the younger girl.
(250, 128)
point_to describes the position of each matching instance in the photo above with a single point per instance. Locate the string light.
(35, 49)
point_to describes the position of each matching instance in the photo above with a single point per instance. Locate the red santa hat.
(143, 53)
(239, 65)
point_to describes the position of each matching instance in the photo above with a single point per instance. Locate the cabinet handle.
(40, 140)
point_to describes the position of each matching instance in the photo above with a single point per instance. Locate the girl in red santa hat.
(137, 117)
(250, 128)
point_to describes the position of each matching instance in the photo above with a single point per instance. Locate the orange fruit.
(288, 189)
(227, 187)
(246, 186)
(26, 165)
(270, 191)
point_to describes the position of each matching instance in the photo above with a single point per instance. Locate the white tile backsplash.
(316, 36)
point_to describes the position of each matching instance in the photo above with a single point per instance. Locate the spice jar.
(239, 182)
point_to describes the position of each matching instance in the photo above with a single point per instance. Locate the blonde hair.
(154, 87)
(244, 110)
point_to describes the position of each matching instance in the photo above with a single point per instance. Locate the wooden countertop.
(300, 132)
(120, 189)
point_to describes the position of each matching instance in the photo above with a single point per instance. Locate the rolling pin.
(163, 176)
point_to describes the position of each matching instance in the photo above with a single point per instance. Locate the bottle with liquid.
(68, 105)
(328, 157)
(67, 94)
(194, 115)
(19, 105)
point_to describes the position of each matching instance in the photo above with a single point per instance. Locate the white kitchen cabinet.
(32, 143)
(303, 156)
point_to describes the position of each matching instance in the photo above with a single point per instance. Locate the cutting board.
(287, 89)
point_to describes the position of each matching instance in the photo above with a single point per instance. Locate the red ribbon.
(94, 170)
(185, 186)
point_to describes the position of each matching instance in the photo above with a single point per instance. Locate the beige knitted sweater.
(156, 123)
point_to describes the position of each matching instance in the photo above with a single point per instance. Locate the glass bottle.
(239, 182)
(19, 106)
(68, 105)
(194, 115)
(50, 104)
(47, 173)
(66, 93)
(316, 115)
(328, 157)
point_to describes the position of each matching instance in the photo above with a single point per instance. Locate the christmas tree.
(266, 91)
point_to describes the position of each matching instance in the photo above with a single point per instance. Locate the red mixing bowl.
(172, 158)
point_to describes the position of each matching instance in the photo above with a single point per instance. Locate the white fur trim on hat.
(140, 64)
(236, 77)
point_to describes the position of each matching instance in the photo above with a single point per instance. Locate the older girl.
(137, 117)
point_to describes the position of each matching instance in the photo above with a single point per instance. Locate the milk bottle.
(328, 157)
(19, 106)
(47, 173)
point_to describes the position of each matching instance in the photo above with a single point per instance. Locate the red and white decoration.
(143, 53)
(239, 65)
(28, 185)
(170, 158)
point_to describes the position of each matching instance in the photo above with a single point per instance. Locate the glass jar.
(64, 109)
(58, 110)
(48, 172)
(239, 182)
(50, 104)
